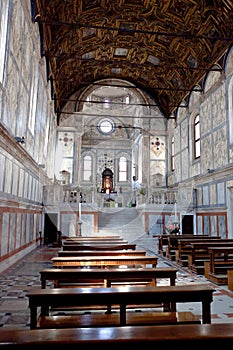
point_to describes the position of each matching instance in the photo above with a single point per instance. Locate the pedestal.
(79, 228)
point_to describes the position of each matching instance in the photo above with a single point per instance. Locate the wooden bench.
(95, 242)
(136, 252)
(135, 318)
(221, 260)
(104, 261)
(107, 277)
(200, 252)
(170, 241)
(47, 299)
(94, 236)
(182, 337)
(230, 279)
(184, 248)
(99, 247)
(162, 243)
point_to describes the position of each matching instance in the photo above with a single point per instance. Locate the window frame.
(197, 137)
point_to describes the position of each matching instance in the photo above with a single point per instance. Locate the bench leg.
(206, 314)
(122, 314)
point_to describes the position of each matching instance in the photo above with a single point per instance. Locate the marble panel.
(222, 226)
(68, 224)
(21, 119)
(8, 176)
(21, 183)
(155, 224)
(15, 180)
(220, 157)
(157, 173)
(29, 194)
(5, 226)
(23, 232)
(221, 193)
(2, 171)
(184, 134)
(185, 164)
(12, 232)
(27, 227)
(87, 226)
(206, 153)
(212, 194)
(199, 224)
(206, 198)
(25, 188)
(199, 197)
(205, 116)
(206, 225)
(213, 225)
(18, 230)
(10, 114)
(219, 106)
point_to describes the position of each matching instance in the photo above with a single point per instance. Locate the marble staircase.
(127, 222)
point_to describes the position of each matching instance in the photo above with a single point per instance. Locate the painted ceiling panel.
(162, 47)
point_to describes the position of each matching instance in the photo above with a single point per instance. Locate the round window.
(106, 126)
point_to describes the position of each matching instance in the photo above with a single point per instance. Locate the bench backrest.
(104, 260)
(99, 247)
(135, 252)
(167, 337)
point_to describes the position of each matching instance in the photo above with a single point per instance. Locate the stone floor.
(17, 280)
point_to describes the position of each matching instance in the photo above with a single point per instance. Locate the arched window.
(87, 168)
(122, 174)
(197, 140)
(173, 154)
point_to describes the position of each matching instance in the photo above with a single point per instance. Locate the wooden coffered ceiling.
(162, 47)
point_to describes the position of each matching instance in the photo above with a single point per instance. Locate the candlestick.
(79, 211)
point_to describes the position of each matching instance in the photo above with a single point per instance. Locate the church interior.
(93, 94)
(116, 116)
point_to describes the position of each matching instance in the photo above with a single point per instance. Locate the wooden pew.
(89, 238)
(163, 241)
(104, 261)
(184, 248)
(99, 247)
(173, 244)
(107, 277)
(230, 279)
(136, 252)
(200, 252)
(182, 337)
(221, 260)
(95, 242)
(47, 299)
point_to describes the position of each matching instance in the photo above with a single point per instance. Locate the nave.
(19, 278)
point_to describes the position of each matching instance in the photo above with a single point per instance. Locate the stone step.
(127, 222)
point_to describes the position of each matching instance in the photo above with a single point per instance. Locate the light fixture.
(20, 139)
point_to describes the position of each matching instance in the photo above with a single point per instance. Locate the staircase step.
(124, 221)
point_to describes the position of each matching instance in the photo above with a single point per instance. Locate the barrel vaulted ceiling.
(162, 47)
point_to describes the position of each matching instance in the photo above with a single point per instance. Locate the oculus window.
(106, 126)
